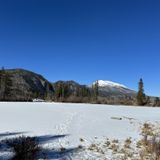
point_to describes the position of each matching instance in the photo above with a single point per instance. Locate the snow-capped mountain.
(102, 83)
(109, 88)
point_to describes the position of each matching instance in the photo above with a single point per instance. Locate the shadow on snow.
(49, 154)
(7, 134)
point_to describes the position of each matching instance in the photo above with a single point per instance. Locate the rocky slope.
(24, 86)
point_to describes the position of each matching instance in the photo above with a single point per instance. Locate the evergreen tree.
(95, 88)
(141, 98)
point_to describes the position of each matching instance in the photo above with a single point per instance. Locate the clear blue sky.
(83, 40)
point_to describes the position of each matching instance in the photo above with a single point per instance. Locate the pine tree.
(141, 98)
(95, 89)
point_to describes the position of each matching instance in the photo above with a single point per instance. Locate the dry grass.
(147, 148)
(150, 143)
(127, 143)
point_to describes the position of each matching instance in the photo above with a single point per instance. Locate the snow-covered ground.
(73, 125)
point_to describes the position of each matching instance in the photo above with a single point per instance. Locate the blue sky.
(83, 40)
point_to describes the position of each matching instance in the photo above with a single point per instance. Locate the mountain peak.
(104, 83)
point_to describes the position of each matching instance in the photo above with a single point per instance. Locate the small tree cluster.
(65, 91)
(61, 90)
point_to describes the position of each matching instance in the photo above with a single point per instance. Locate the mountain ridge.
(27, 85)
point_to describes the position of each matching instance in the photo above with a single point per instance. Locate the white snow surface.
(103, 83)
(74, 121)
